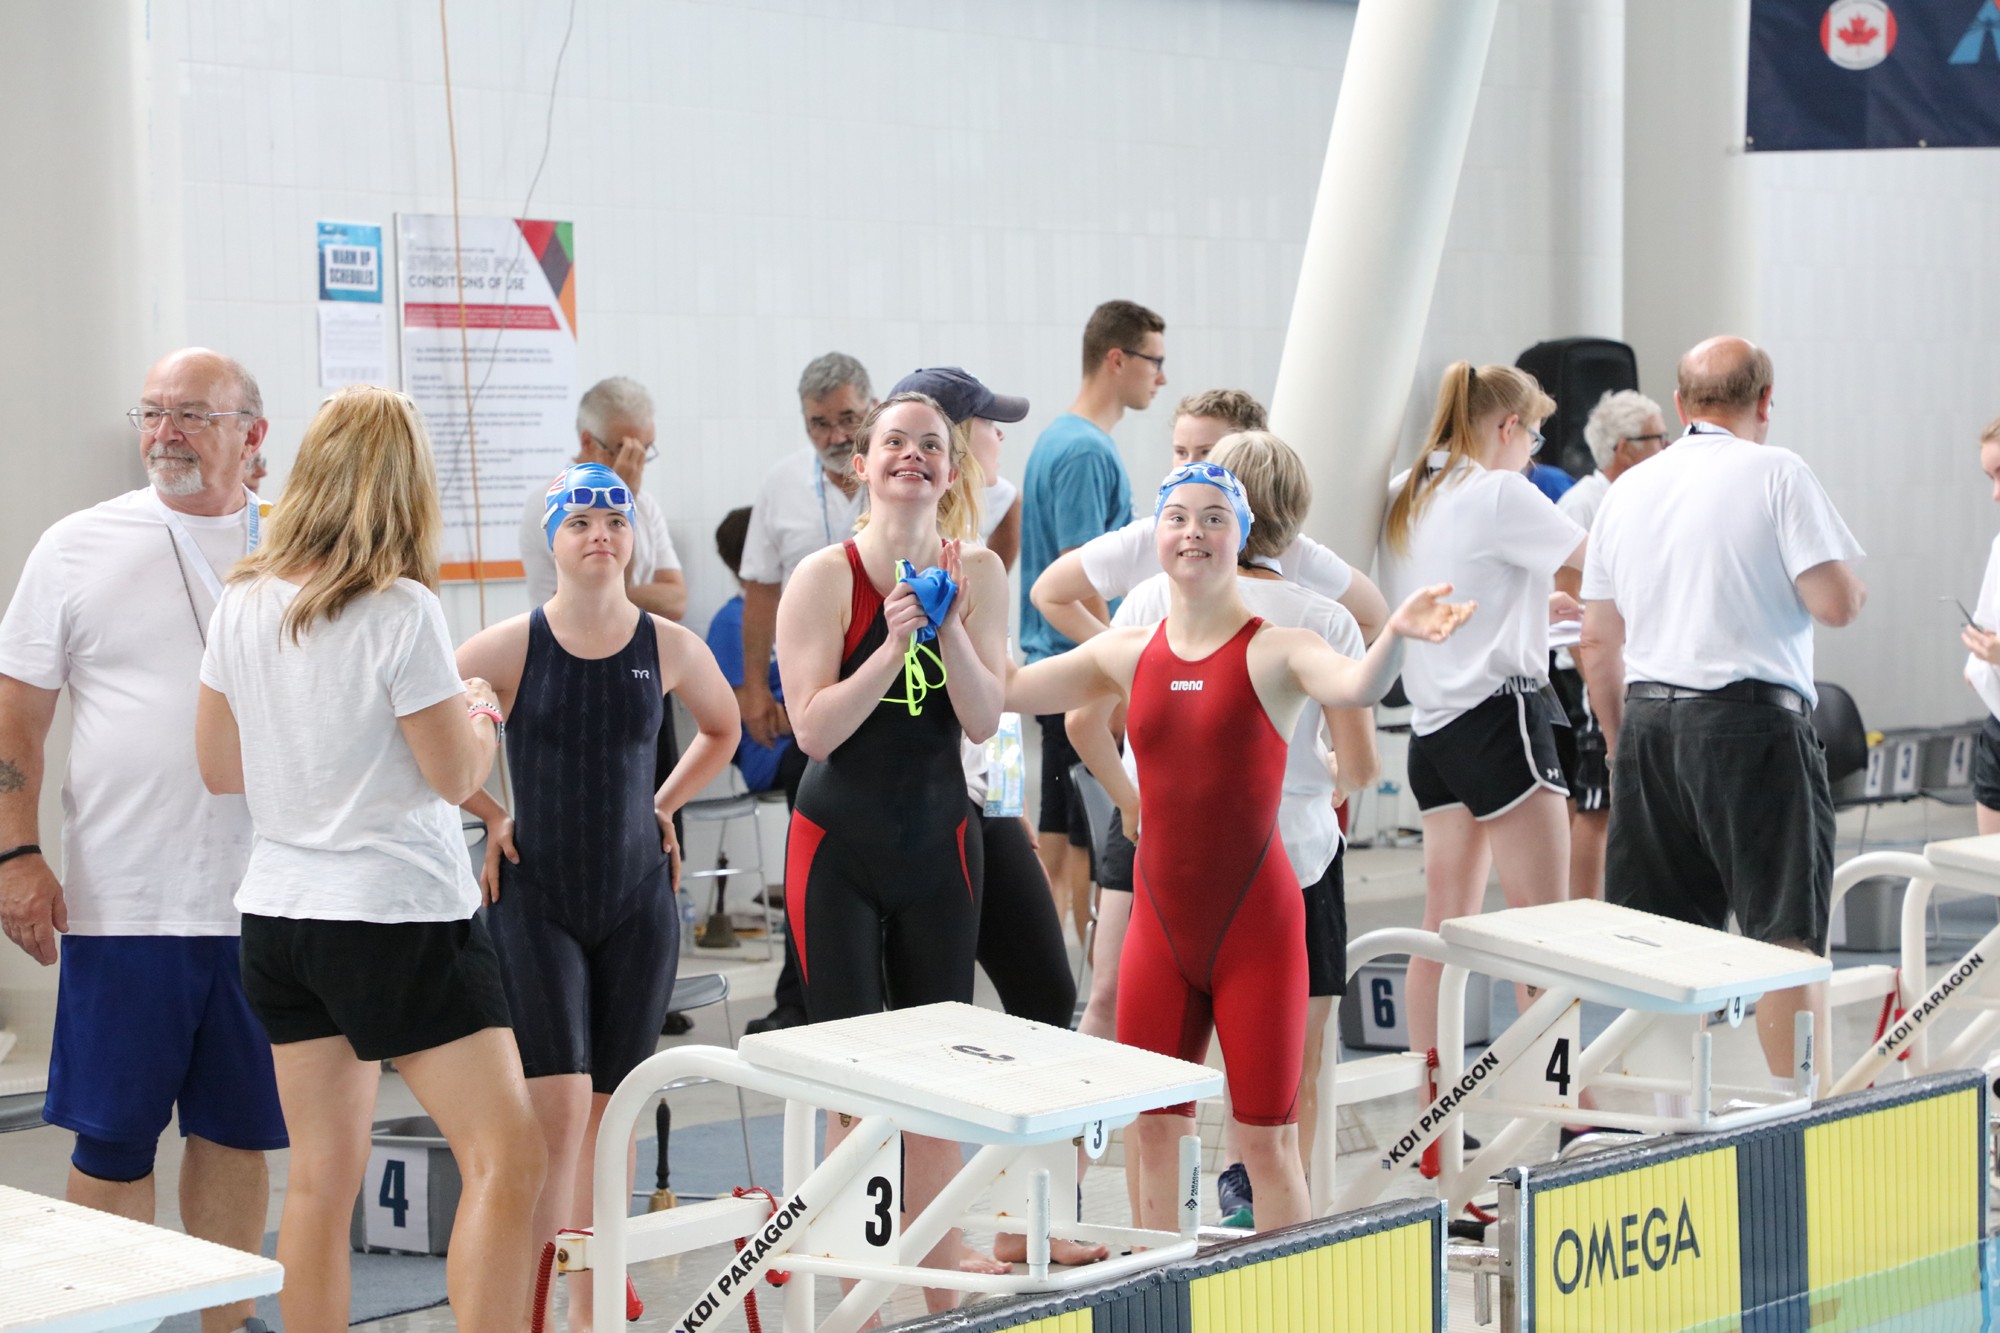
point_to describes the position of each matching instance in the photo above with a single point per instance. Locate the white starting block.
(68, 1269)
(1970, 864)
(1029, 1093)
(1665, 974)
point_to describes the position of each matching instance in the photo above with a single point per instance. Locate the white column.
(80, 315)
(1690, 239)
(1371, 261)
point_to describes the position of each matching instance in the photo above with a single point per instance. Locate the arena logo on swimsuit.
(1608, 1257)
(1179, 685)
(748, 1261)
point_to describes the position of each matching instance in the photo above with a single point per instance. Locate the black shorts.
(1062, 803)
(1326, 930)
(1116, 871)
(389, 989)
(1718, 809)
(1580, 747)
(1986, 765)
(1491, 758)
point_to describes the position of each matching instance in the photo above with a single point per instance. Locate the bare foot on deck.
(1012, 1247)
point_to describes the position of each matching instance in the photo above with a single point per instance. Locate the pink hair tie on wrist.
(486, 710)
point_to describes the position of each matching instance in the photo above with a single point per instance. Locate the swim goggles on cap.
(583, 486)
(935, 593)
(1211, 474)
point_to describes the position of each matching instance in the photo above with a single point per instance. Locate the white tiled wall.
(1534, 251)
(1880, 303)
(755, 183)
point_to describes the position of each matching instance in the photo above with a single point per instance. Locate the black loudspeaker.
(1576, 372)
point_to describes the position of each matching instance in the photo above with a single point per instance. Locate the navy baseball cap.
(961, 395)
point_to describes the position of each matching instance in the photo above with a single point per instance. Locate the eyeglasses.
(1159, 362)
(1535, 439)
(1648, 439)
(652, 450)
(189, 421)
(586, 497)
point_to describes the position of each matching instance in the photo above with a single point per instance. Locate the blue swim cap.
(584, 486)
(1210, 474)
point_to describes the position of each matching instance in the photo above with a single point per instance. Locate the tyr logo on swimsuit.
(640, 674)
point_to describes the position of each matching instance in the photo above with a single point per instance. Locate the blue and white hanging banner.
(1873, 74)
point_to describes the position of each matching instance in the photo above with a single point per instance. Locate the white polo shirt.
(652, 545)
(1123, 558)
(797, 511)
(1307, 823)
(1580, 503)
(1498, 541)
(1699, 549)
(1982, 676)
(108, 606)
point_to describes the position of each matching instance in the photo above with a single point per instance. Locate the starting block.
(1028, 1093)
(1968, 864)
(70, 1269)
(1665, 974)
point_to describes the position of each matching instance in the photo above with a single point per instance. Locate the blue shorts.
(148, 1022)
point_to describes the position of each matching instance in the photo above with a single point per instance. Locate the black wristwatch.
(24, 849)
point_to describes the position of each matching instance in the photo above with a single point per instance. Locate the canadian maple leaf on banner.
(1858, 32)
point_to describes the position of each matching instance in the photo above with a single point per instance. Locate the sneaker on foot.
(1232, 1194)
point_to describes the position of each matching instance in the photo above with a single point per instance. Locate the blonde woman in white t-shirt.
(329, 648)
(1982, 667)
(1483, 763)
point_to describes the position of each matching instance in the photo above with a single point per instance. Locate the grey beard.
(174, 477)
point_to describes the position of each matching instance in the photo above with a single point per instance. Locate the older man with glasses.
(114, 602)
(614, 426)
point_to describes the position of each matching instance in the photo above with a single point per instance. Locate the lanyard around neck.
(184, 543)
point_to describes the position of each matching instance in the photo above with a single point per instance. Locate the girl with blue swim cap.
(580, 879)
(881, 879)
(1217, 940)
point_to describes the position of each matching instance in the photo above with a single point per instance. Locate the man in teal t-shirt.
(1076, 488)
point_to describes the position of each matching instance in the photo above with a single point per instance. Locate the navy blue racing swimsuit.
(879, 874)
(586, 926)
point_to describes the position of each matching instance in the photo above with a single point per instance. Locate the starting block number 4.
(1545, 1075)
(395, 1200)
(864, 1220)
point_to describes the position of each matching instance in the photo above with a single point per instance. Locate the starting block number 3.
(864, 1220)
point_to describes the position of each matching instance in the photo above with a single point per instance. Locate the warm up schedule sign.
(495, 310)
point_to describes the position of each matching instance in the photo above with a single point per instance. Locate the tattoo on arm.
(12, 779)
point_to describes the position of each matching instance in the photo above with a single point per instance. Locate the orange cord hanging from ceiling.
(464, 338)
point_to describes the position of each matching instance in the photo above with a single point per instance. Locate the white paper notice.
(352, 345)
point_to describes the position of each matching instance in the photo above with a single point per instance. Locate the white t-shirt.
(1307, 823)
(103, 608)
(1123, 558)
(347, 828)
(994, 502)
(797, 511)
(652, 545)
(1699, 549)
(1980, 675)
(1498, 541)
(1580, 503)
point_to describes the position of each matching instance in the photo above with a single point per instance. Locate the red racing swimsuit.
(1217, 940)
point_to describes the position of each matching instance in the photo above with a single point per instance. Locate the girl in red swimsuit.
(1216, 941)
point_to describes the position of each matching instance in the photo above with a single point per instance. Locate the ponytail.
(1465, 396)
